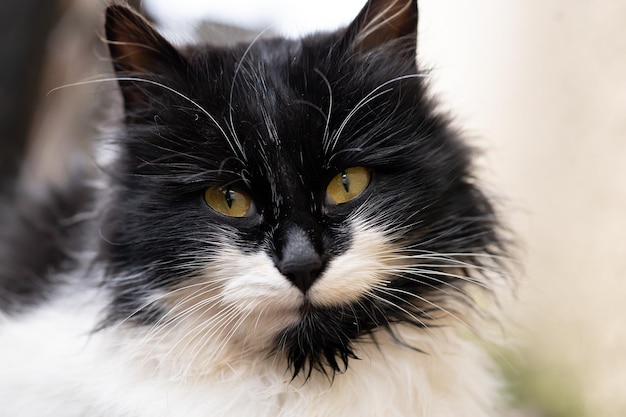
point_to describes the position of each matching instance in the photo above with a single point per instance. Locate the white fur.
(209, 356)
(52, 367)
(356, 272)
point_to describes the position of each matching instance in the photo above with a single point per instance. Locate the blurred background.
(540, 85)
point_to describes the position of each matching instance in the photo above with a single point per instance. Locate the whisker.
(232, 89)
(161, 85)
(368, 98)
(388, 291)
(330, 105)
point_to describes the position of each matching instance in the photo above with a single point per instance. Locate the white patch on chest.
(51, 366)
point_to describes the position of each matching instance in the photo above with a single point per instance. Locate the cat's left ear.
(386, 23)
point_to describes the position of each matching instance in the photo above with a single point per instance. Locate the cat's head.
(292, 196)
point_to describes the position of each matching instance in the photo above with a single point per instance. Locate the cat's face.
(292, 195)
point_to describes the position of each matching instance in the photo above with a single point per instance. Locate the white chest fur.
(70, 372)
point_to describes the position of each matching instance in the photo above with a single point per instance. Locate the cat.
(286, 228)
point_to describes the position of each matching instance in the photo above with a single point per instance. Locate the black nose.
(300, 262)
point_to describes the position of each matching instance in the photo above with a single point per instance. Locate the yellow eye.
(347, 185)
(228, 201)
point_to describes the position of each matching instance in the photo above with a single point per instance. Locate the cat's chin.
(319, 340)
(307, 308)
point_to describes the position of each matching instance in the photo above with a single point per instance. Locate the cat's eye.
(230, 201)
(347, 185)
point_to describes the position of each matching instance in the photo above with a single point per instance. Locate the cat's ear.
(385, 23)
(138, 50)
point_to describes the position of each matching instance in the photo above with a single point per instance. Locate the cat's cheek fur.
(251, 282)
(239, 299)
(356, 272)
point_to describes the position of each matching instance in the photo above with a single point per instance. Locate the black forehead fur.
(269, 117)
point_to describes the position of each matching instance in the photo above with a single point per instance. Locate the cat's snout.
(300, 263)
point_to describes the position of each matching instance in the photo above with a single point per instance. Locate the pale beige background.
(542, 86)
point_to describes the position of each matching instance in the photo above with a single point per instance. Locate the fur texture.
(300, 307)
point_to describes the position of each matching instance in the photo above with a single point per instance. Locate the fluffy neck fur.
(115, 373)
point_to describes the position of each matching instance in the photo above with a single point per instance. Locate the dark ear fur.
(138, 50)
(135, 45)
(385, 23)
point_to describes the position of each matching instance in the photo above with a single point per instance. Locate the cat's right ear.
(138, 51)
(385, 24)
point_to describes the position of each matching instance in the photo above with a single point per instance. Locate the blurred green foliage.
(540, 388)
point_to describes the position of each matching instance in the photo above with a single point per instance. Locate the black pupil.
(229, 195)
(344, 181)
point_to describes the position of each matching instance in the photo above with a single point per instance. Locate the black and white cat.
(288, 228)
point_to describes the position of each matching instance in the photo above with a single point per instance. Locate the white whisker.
(170, 89)
(232, 89)
(332, 143)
